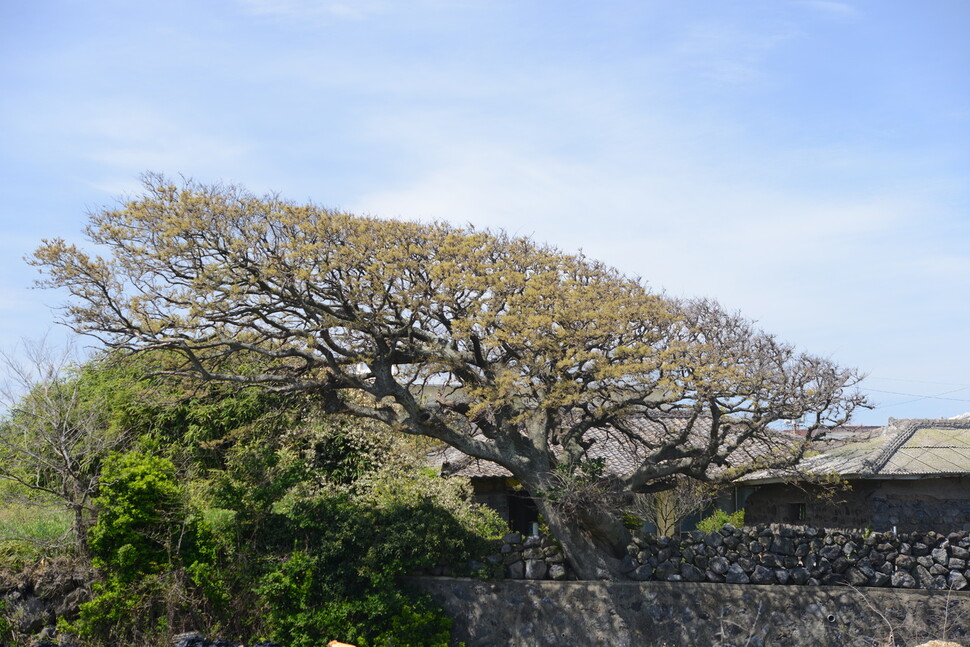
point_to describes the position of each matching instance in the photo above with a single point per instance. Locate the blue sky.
(804, 162)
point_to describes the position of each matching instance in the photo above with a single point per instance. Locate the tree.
(53, 435)
(508, 350)
(666, 509)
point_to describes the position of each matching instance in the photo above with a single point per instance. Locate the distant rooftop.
(901, 449)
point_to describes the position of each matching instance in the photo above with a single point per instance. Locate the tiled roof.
(901, 449)
(622, 455)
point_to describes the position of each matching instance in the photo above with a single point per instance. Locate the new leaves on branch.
(508, 350)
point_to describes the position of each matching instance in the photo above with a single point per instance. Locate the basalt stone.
(940, 556)
(714, 539)
(956, 581)
(831, 553)
(939, 569)
(781, 575)
(558, 572)
(923, 577)
(736, 575)
(880, 579)
(959, 552)
(920, 549)
(783, 546)
(691, 573)
(856, 577)
(956, 564)
(770, 560)
(905, 562)
(840, 565)
(642, 573)
(714, 577)
(628, 564)
(719, 565)
(903, 580)
(515, 571)
(925, 561)
(665, 569)
(799, 575)
(762, 575)
(535, 569)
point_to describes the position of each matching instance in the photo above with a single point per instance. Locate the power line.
(919, 396)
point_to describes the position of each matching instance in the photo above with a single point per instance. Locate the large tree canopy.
(508, 350)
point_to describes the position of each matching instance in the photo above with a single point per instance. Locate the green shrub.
(138, 501)
(719, 518)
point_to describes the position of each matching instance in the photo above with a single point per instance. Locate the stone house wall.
(904, 504)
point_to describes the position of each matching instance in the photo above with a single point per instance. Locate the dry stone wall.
(771, 554)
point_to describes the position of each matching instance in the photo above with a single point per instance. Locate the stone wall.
(775, 554)
(652, 614)
(903, 504)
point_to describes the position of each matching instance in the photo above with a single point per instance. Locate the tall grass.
(30, 527)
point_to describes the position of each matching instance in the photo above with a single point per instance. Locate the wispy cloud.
(728, 54)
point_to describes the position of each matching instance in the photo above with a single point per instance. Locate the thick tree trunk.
(594, 540)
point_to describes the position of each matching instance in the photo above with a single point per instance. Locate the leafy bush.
(251, 516)
(341, 580)
(719, 518)
(138, 508)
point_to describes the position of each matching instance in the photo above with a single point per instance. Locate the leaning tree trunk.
(594, 540)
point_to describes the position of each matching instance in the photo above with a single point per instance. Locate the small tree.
(509, 351)
(666, 509)
(52, 435)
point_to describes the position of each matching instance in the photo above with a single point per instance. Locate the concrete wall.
(554, 614)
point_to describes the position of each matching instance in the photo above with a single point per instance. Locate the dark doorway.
(523, 513)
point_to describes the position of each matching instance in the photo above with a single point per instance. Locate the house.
(494, 486)
(908, 475)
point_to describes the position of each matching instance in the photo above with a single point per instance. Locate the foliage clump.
(256, 516)
(720, 518)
